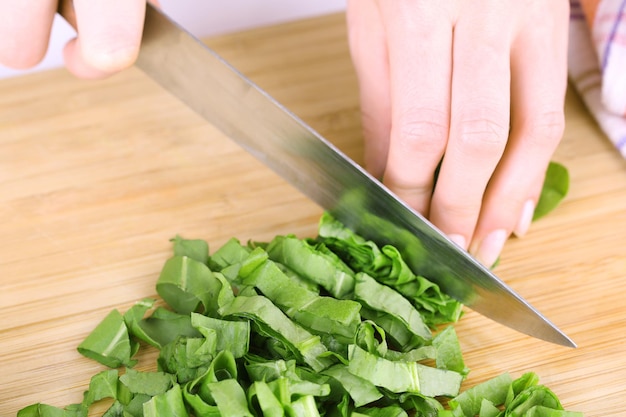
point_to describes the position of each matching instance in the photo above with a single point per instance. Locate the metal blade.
(214, 89)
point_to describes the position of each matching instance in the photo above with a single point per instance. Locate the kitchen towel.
(597, 63)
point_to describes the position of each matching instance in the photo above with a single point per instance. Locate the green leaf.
(448, 351)
(495, 390)
(321, 315)
(102, 385)
(527, 380)
(230, 398)
(555, 188)
(314, 263)
(387, 266)
(45, 410)
(134, 408)
(284, 347)
(400, 377)
(304, 406)
(232, 252)
(261, 397)
(163, 327)
(116, 410)
(540, 411)
(388, 302)
(169, 404)
(76, 410)
(195, 249)
(41, 410)
(133, 318)
(360, 390)
(415, 355)
(233, 336)
(198, 406)
(487, 409)
(389, 411)
(109, 343)
(185, 284)
(261, 369)
(537, 395)
(222, 367)
(272, 322)
(149, 383)
(187, 357)
(372, 338)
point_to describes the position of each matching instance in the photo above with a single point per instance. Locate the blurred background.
(204, 18)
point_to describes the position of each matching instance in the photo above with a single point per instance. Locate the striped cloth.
(597, 63)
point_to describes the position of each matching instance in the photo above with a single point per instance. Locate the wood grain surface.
(96, 177)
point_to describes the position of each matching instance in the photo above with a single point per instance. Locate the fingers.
(481, 83)
(479, 123)
(539, 75)
(368, 49)
(24, 31)
(108, 41)
(109, 35)
(420, 65)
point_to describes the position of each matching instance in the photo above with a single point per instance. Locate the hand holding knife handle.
(108, 37)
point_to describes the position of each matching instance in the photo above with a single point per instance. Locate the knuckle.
(426, 132)
(461, 210)
(480, 135)
(546, 129)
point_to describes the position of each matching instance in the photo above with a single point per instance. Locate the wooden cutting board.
(96, 177)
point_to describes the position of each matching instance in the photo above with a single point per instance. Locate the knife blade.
(214, 89)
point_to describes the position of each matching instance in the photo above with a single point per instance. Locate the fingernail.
(525, 219)
(458, 239)
(491, 246)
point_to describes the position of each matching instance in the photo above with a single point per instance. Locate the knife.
(215, 90)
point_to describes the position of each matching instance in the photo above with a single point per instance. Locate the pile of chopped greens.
(333, 326)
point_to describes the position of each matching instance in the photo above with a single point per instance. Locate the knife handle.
(66, 10)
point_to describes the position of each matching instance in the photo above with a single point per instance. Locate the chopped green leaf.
(149, 383)
(272, 322)
(261, 397)
(469, 402)
(41, 410)
(321, 315)
(232, 252)
(304, 406)
(386, 301)
(488, 409)
(230, 398)
(185, 284)
(102, 385)
(168, 404)
(320, 266)
(387, 266)
(233, 336)
(333, 327)
(554, 190)
(448, 351)
(401, 376)
(222, 367)
(187, 357)
(163, 327)
(195, 249)
(389, 411)
(109, 343)
(360, 390)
